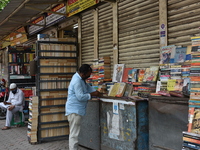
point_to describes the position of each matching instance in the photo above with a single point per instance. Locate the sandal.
(5, 128)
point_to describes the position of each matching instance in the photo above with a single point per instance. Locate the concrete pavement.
(16, 139)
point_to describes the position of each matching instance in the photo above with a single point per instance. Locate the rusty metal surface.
(90, 130)
(133, 126)
(167, 120)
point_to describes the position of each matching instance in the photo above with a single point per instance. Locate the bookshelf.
(57, 62)
(18, 65)
(19, 70)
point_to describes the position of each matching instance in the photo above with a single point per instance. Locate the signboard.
(18, 38)
(76, 6)
(33, 29)
(54, 18)
(6, 43)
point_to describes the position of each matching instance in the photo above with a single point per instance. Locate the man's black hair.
(85, 68)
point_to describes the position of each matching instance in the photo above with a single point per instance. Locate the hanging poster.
(34, 29)
(18, 37)
(76, 6)
(54, 18)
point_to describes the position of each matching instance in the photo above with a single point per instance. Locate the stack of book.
(191, 139)
(33, 120)
(104, 68)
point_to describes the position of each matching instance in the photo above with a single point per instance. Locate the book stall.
(162, 90)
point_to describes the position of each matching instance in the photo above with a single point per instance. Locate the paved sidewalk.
(16, 139)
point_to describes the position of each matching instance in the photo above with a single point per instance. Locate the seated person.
(13, 104)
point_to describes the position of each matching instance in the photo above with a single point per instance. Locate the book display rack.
(18, 65)
(57, 62)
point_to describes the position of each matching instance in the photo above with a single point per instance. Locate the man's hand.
(6, 103)
(11, 107)
(96, 93)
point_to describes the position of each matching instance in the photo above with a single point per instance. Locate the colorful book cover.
(186, 86)
(165, 54)
(125, 74)
(151, 74)
(180, 54)
(141, 74)
(190, 118)
(118, 73)
(130, 75)
(128, 90)
(114, 89)
(195, 122)
(121, 89)
(134, 75)
(188, 54)
(171, 84)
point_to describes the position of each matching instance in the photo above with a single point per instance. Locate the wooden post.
(96, 34)
(115, 33)
(79, 42)
(163, 22)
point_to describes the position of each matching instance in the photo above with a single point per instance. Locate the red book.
(191, 116)
(125, 74)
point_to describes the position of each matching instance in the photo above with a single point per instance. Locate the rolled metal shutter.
(105, 21)
(139, 33)
(183, 21)
(87, 37)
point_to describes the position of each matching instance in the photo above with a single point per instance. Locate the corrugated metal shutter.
(183, 21)
(87, 37)
(106, 31)
(139, 33)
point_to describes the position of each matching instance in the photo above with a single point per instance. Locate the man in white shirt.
(13, 104)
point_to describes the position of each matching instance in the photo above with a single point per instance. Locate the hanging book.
(118, 73)
(132, 75)
(141, 74)
(165, 54)
(126, 74)
(151, 74)
(180, 55)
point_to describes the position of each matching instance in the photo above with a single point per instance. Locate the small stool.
(20, 119)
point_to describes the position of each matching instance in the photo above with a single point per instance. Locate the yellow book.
(114, 89)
